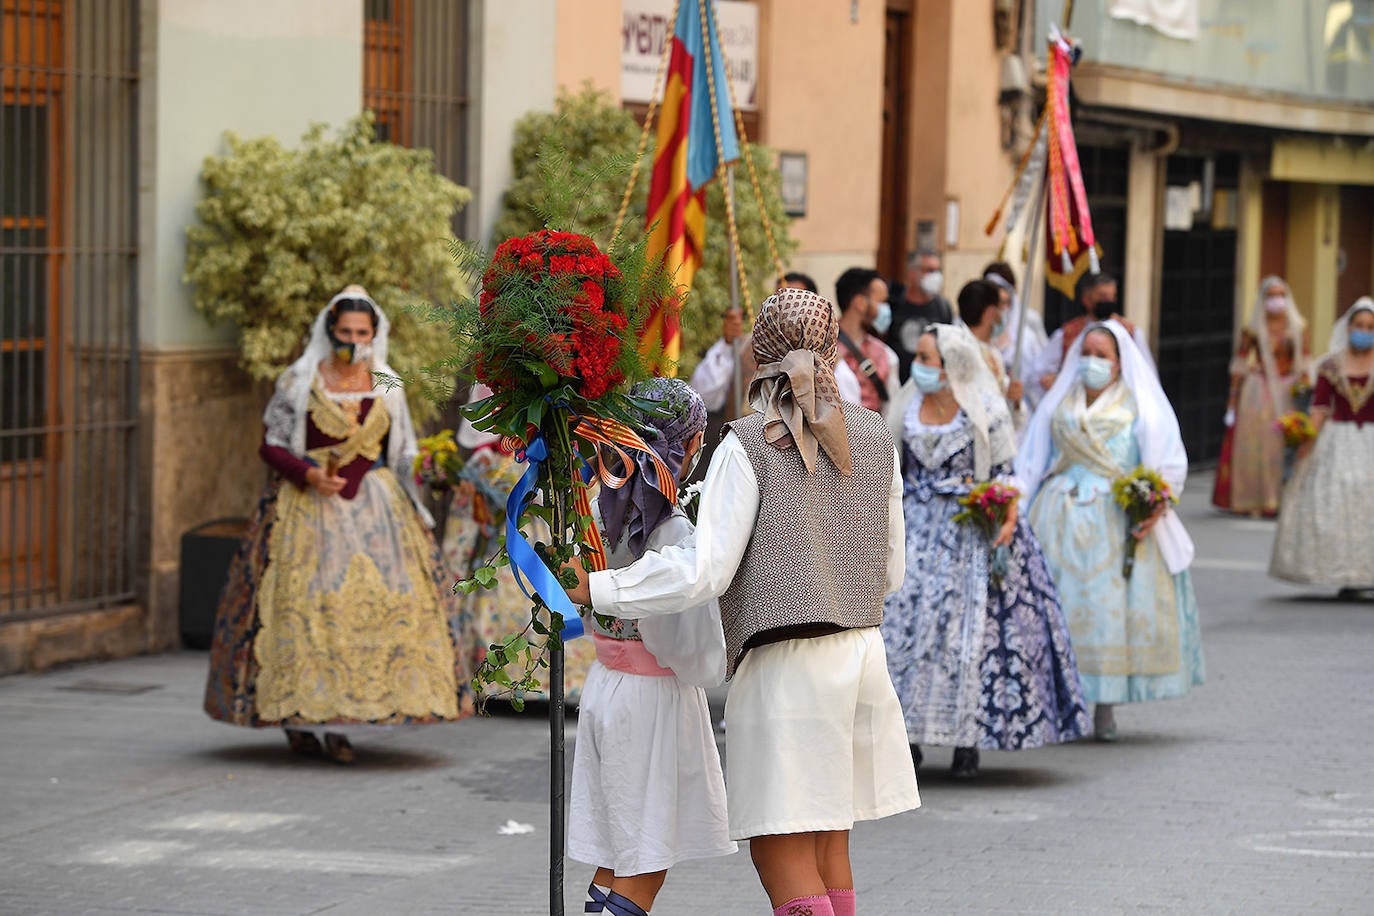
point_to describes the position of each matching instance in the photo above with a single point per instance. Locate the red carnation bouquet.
(554, 332)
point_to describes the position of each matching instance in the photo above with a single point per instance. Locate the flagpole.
(737, 345)
(1032, 254)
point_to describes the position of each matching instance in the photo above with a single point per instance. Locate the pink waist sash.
(629, 656)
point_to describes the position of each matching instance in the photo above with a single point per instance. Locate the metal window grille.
(415, 78)
(68, 309)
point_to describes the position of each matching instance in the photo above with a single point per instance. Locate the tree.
(598, 139)
(282, 230)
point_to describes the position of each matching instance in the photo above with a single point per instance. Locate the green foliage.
(282, 230)
(597, 141)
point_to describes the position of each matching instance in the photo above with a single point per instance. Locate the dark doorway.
(1197, 307)
(1357, 241)
(892, 193)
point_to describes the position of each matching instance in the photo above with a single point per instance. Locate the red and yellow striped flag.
(686, 158)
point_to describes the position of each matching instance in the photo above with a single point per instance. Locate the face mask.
(1103, 310)
(883, 320)
(1095, 372)
(690, 467)
(1000, 326)
(352, 353)
(1362, 340)
(927, 378)
(1276, 305)
(932, 283)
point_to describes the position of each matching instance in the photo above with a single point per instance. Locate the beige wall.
(821, 93)
(516, 45)
(252, 66)
(955, 87)
(587, 45)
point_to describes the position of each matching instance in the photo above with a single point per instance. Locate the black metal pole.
(557, 826)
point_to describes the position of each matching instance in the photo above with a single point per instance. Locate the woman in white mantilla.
(1324, 536)
(337, 614)
(1270, 356)
(1135, 638)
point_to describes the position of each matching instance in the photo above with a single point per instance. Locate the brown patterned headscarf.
(795, 345)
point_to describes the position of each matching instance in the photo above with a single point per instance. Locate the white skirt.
(1324, 535)
(815, 737)
(647, 789)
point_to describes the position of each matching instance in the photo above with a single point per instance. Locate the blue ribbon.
(525, 562)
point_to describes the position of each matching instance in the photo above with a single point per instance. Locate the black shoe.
(916, 756)
(965, 764)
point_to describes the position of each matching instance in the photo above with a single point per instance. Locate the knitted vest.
(818, 553)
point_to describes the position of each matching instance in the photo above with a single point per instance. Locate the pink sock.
(805, 906)
(841, 900)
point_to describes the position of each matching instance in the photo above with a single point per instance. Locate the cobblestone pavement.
(1253, 795)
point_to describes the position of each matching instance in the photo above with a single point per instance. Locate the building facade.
(124, 420)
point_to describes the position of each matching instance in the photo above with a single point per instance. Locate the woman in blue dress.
(978, 661)
(1137, 638)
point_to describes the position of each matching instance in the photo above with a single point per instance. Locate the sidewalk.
(1253, 795)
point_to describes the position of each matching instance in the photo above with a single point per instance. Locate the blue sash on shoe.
(598, 902)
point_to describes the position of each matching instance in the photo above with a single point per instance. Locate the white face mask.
(883, 319)
(1276, 305)
(932, 283)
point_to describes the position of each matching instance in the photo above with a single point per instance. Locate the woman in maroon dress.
(1324, 536)
(337, 615)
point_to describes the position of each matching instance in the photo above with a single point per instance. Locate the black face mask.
(1102, 310)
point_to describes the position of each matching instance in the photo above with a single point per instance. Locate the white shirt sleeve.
(894, 369)
(675, 578)
(712, 377)
(848, 383)
(896, 530)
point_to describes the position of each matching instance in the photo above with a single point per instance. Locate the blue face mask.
(883, 320)
(1362, 340)
(927, 378)
(1095, 372)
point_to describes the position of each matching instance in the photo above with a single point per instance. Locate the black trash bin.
(206, 552)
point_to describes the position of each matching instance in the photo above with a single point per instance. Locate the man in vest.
(799, 535)
(1097, 294)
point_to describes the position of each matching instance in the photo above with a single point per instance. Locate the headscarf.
(286, 414)
(1259, 328)
(1340, 332)
(1156, 431)
(978, 395)
(795, 345)
(637, 508)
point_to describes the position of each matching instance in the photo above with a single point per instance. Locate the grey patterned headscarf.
(795, 341)
(636, 509)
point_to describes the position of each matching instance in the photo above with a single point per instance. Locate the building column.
(1143, 240)
(1249, 238)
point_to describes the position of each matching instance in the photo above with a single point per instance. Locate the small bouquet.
(690, 501)
(1301, 393)
(986, 506)
(1297, 429)
(437, 464)
(1140, 495)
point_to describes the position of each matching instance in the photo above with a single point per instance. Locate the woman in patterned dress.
(338, 615)
(1323, 535)
(1136, 638)
(978, 661)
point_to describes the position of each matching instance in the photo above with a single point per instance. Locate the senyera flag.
(686, 158)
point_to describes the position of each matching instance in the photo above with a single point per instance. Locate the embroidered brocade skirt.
(339, 612)
(1324, 535)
